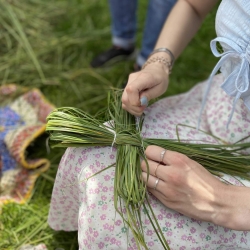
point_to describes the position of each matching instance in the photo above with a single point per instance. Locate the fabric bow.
(237, 83)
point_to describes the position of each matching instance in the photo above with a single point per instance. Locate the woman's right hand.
(142, 86)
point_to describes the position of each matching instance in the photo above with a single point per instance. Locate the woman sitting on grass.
(194, 209)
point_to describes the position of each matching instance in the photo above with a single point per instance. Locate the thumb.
(139, 83)
(153, 92)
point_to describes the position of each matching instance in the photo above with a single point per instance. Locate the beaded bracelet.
(169, 52)
(162, 60)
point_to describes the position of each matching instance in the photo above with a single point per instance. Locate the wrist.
(163, 56)
(233, 210)
(161, 61)
(167, 53)
(158, 69)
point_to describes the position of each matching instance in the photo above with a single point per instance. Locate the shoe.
(112, 55)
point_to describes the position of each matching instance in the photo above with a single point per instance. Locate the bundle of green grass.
(70, 127)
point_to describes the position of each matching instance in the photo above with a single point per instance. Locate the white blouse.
(233, 34)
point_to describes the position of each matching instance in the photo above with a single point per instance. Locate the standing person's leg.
(157, 13)
(123, 16)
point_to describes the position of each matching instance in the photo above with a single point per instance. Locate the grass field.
(48, 45)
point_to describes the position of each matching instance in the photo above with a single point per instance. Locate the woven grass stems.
(70, 127)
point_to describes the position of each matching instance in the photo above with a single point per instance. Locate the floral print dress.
(87, 205)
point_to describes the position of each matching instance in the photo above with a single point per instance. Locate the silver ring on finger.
(156, 183)
(162, 155)
(156, 170)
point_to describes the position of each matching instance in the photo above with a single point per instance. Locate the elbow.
(199, 9)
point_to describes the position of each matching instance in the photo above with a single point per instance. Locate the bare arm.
(181, 25)
(234, 208)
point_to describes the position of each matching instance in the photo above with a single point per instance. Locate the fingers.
(132, 95)
(158, 188)
(154, 168)
(153, 182)
(155, 91)
(166, 164)
(142, 87)
(169, 158)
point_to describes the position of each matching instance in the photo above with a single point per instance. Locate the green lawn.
(48, 45)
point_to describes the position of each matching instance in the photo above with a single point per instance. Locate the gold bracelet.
(162, 60)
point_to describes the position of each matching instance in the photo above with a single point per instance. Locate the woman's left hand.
(183, 184)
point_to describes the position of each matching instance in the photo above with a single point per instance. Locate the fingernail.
(144, 101)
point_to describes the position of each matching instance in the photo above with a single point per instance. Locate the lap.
(83, 200)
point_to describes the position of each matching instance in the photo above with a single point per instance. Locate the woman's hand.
(187, 187)
(143, 86)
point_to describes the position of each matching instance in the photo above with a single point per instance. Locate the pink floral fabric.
(86, 204)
